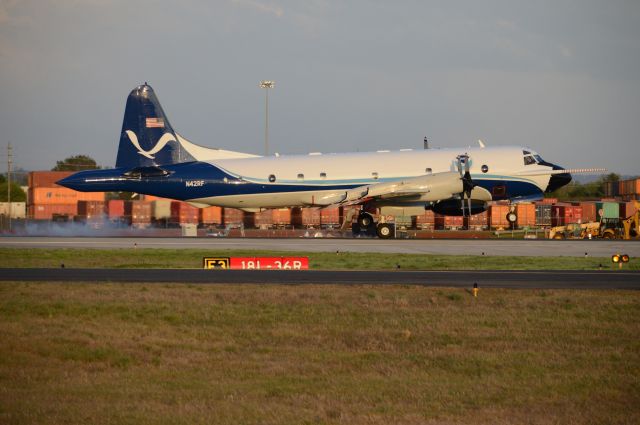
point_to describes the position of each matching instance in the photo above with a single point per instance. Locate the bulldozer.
(628, 228)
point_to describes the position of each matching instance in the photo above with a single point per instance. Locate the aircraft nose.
(72, 182)
(558, 180)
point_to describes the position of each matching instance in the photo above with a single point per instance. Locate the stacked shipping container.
(46, 198)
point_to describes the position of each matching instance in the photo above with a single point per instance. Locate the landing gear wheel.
(385, 230)
(365, 220)
(355, 229)
(512, 217)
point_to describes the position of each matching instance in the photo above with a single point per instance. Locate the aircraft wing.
(432, 187)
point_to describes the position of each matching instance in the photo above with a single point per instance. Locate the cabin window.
(323, 175)
(428, 170)
(300, 176)
(375, 175)
(272, 178)
(484, 168)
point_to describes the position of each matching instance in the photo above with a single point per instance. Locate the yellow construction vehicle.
(628, 228)
(575, 231)
(631, 225)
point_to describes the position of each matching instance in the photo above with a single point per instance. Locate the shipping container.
(627, 209)
(37, 179)
(543, 214)
(17, 209)
(425, 220)
(183, 213)
(161, 209)
(232, 216)
(547, 201)
(448, 222)
(564, 214)
(478, 221)
(588, 211)
(211, 215)
(498, 216)
(331, 216)
(138, 212)
(310, 217)
(115, 209)
(91, 210)
(61, 195)
(47, 211)
(526, 215)
(607, 210)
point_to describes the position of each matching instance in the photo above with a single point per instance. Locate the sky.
(562, 76)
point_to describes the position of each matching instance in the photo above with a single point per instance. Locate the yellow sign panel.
(216, 262)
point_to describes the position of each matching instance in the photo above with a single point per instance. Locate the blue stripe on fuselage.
(197, 180)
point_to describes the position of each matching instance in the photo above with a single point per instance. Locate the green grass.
(192, 258)
(254, 354)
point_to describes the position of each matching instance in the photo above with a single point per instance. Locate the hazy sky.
(562, 77)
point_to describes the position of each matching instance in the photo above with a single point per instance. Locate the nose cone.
(74, 182)
(558, 180)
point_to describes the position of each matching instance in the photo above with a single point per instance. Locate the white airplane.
(154, 159)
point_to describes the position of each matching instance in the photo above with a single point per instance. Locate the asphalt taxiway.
(465, 279)
(500, 247)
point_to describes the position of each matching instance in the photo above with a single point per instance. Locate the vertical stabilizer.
(147, 138)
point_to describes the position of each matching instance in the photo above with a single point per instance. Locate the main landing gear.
(367, 225)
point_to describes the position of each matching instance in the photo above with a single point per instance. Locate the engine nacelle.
(452, 207)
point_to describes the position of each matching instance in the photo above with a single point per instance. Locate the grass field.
(180, 354)
(192, 258)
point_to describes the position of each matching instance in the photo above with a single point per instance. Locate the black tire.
(385, 230)
(355, 229)
(365, 220)
(512, 217)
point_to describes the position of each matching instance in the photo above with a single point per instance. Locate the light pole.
(266, 85)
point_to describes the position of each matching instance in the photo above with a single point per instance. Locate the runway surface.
(500, 247)
(464, 279)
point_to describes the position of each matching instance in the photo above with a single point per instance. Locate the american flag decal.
(155, 123)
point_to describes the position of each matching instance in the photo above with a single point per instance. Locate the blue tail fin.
(147, 138)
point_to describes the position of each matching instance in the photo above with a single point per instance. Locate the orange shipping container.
(211, 215)
(46, 211)
(139, 212)
(547, 201)
(181, 212)
(526, 215)
(61, 195)
(498, 216)
(115, 208)
(627, 209)
(38, 179)
(478, 220)
(331, 216)
(426, 220)
(91, 209)
(310, 216)
(232, 216)
(588, 211)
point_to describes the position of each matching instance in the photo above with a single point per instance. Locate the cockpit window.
(538, 159)
(528, 158)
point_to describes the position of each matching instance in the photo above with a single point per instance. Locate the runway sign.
(256, 263)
